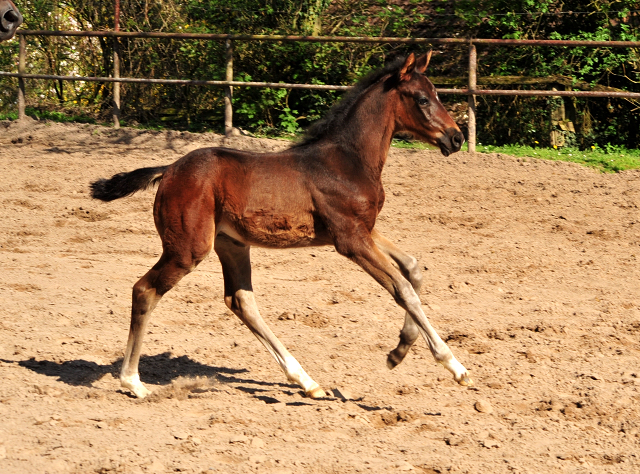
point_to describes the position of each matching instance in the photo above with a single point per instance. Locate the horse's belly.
(267, 229)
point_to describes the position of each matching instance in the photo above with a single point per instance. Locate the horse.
(325, 189)
(10, 19)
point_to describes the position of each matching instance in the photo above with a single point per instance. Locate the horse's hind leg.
(408, 265)
(238, 295)
(146, 294)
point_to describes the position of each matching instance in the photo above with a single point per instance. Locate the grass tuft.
(54, 116)
(610, 159)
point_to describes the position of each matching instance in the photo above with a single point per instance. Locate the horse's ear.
(423, 61)
(407, 68)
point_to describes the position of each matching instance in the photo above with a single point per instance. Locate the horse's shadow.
(160, 369)
(164, 369)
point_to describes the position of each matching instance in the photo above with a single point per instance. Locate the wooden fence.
(471, 91)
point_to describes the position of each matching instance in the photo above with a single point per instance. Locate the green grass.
(47, 115)
(611, 159)
(411, 144)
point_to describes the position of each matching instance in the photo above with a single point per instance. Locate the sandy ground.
(530, 273)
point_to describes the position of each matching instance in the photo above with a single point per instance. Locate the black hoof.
(393, 360)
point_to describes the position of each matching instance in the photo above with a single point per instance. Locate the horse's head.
(421, 113)
(10, 19)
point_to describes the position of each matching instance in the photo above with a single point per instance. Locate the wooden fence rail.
(471, 91)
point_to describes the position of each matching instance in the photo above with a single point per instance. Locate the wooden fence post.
(116, 65)
(228, 92)
(557, 116)
(471, 113)
(21, 69)
(116, 85)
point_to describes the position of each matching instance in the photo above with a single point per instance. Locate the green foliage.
(49, 115)
(501, 120)
(266, 111)
(597, 121)
(280, 111)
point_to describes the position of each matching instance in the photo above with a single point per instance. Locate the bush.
(501, 120)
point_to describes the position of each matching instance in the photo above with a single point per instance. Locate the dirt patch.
(530, 273)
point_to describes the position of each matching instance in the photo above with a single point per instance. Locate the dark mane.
(336, 115)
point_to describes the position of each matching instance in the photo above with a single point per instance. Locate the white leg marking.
(133, 383)
(441, 352)
(291, 367)
(411, 303)
(456, 368)
(296, 373)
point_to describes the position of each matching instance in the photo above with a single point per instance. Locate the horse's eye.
(423, 101)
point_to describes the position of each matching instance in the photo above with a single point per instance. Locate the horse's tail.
(125, 184)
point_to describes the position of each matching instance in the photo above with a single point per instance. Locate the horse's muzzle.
(10, 20)
(450, 141)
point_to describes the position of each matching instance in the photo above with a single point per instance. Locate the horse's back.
(259, 199)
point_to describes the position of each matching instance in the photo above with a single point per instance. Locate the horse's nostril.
(11, 16)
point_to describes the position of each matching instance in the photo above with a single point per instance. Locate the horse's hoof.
(395, 357)
(136, 387)
(466, 381)
(392, 363)
(141, 391)
(315, 393)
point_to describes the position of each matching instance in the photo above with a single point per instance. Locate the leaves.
(500, 120)
(508, 120)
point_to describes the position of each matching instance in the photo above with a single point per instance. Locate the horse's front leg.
(361, 248)
(408, 265)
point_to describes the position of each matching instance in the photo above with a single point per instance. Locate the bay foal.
(325, 190)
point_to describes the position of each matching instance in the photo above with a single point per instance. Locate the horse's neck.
(370, 139)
